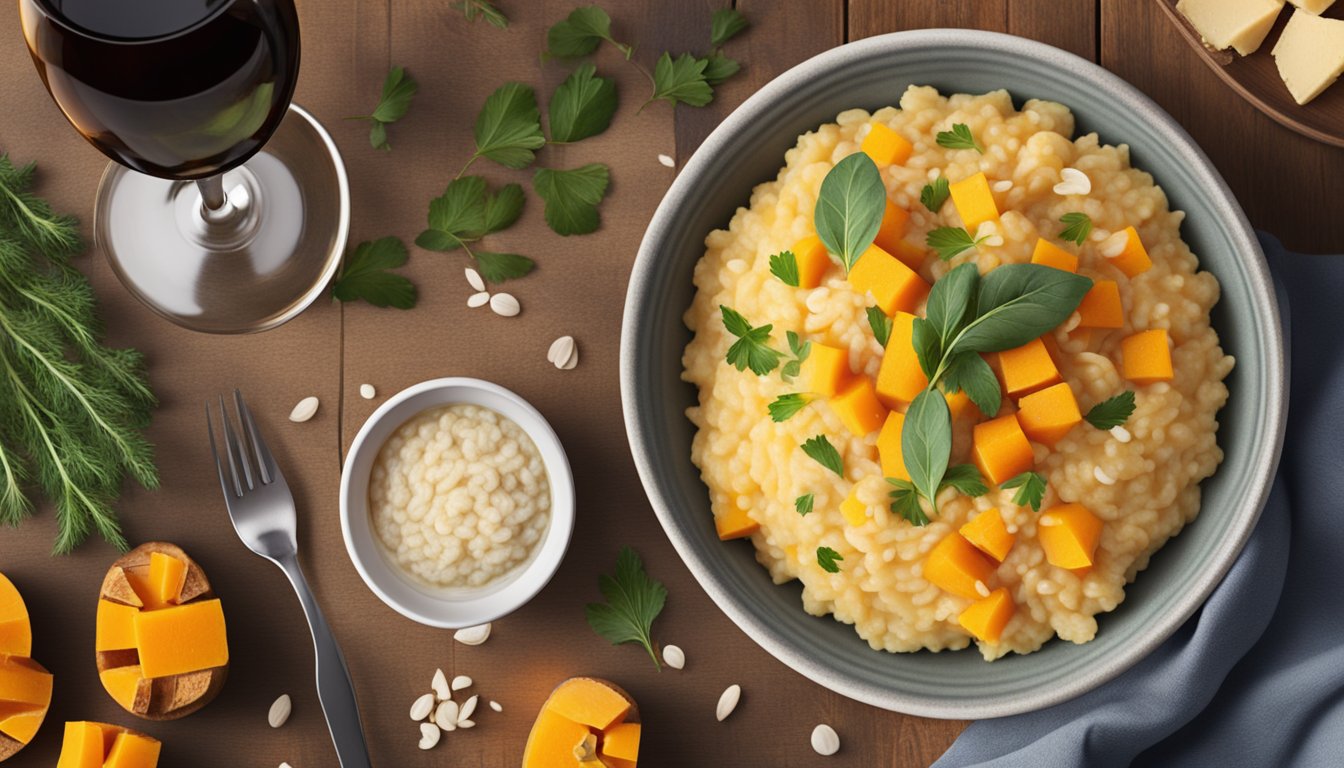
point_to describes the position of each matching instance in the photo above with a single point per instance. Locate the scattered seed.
(422, 707)
(440, 686)
(674, 657)
(446, 715)
(505, 305)
(1102, 477)
(285, 765)
(495, 705)
(1002, 186)
(1120, 434)
(280, 710)
(367, 391)
(474, 279)
(1074, 182)
(460, 682)
(304, 410)
(728, 701)
(478, 299)
(466, 723)
(668, 161)
(429, 735)
(825, 741)
(563, 354)
(468, 708)
(473, 635)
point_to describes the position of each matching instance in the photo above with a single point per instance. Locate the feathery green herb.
(1030, 489)
(398, 90)
(935, 193)
(784, 265)
(799, 351)
(365, 275)
(1112, 412)
(905, 502)
(804, 504)
(1077, 226)
(752, 348)
(785, 407)
(634, 600)
(829, 559)
(820, 450)
(959, 138)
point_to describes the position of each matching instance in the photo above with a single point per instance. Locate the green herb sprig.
(752, 348)
(935, 193)
(785, 407)
(829, 559)
(950, 242)
(634, 600)
(483, 9)
(1030, 489)
(1077, 226)
(1112, 412)
(365, 275)
(466, 212)
(881, 325)
(798, 351)
(804, 504)
(819, 449)
(398, 90)
(959, 138)
(784, 265)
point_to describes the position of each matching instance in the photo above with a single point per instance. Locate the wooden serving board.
(1257, 79)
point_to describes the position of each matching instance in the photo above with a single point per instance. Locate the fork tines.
(249, 454)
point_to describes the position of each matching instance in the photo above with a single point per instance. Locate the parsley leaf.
(633, 601)
(1112, 412)
(364, 275)
(466, 212)
(829, 559)
(498, 267)
(681, 80)
(881, 325)
(719, 68)
(935, 193)
(752, 348)
(820, 450)
(398, 89)
(959, 138)
(508, 127)
(725, 24)
(800, 350)
(785, 406)
(905, 502)
(950, 242)
(1030, 489)
(784, 265)
(965, 478)
(483, 9)
(581, 33)
(1077, 226)
(804, 504)
(582, 105)
(571, 197)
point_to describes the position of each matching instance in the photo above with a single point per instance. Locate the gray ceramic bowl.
(748, 148)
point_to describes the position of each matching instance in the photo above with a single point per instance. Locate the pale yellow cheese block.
(1310, 54)
(1313, 6)
(1238, 24)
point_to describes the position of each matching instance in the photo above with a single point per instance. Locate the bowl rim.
(1243, 517)
(494, 601)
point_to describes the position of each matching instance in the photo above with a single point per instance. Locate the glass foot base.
(256, 263)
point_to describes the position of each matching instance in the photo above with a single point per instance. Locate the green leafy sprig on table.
(398, 90)
(365, 275)
(71, 408)
(482, 9)
(634, 600)
(466, 212)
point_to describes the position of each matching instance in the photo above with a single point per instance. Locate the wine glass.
(183, 91)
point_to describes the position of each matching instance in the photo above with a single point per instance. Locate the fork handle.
(335, 691)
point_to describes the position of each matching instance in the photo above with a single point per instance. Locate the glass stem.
(212, 192)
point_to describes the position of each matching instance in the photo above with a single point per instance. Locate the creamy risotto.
(459, 496)
(1113, 496)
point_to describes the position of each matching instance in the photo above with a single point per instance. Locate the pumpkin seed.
(666, 160)
(422, 707)
(446, 715)
(367, 391)
(468, 708)
(473, 635)
(429, 735)
(825, 741)
(674, 657)
(495, 705)
(505, 305)
(478, 300)
(440, 685)
(563, 354)
(280, 711)
(728, 701)
(474, 279)
(304, 410)
(1074, 182)
(460, 682)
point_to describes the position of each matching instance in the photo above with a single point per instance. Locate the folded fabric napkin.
(1256, 676)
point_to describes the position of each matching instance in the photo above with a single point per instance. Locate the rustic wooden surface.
(1283, 180)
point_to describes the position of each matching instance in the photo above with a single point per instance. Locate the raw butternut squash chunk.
(1147, 357)
(1000, 449)
(910, 254)
(558, 740)
(974, 201)
(622, 741)
(1132, 259)
(988, 534)
(858, 407)
(1048, 415)
(83, 746)
(900, 378)
(25, 695)
(986, 617)
(1050, 255)
(184, 638)
(894, 286)
(99, 745)
(1027, 368)
(1101, 307)
(889, 447)
(16, 633)
(167, 576)
(1069, 534)
(895, 222)
(552, 741)
(954, 566)
(734, 523)
(132, 750)
(813, 261)
(115, 626)
(958, 404)
(885, 146)
(854, 511)
(18, 730)
(128, 687)
(825, 371)
(588, 702)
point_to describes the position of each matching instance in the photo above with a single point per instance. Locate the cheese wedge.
(1238, 24)
(1310, 54)
(1313, 6)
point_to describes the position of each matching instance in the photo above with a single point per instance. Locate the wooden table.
(331, 350)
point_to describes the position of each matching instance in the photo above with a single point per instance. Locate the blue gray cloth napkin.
(1256, 677)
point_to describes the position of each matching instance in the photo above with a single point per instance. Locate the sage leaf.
(928, 347)
(850, 207)
(1019, 302)
(926, 442)
(951, 301)
(968, 372)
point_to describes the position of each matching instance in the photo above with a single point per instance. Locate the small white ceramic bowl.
(463, 607)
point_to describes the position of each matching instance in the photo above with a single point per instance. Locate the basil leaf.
(850, 207)
(968, 372)
(926, 442)
(928, 347)
(951, 301)
(1020, 302)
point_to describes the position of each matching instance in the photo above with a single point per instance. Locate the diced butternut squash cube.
(858, 407)
(958, 403)
(138, 578)
(1048, 415)
(115, 626)
(825, 371)
(1069, 534)
(974, 201)
(621, 742)
(1147, 357)
(889, 447)
(900, 378)
(885, 146)
(1050, 255)
(167, 574)
(1131, 259)
(1027, 368)
(1000, 449)
(894, 286)
(128, 687)
(1101, 307)
(854, 511)
(133, 750)
(988, 534)
(23, 726)
(910, 254)
(588, 702)
(986, 617)
(954, 566)
(895, 222)
(183, 638)
(552, 741)
(734, 523)
(813, 261)
(24, 685)
(16, 634)
(83, 746)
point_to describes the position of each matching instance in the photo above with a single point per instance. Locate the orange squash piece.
(910, 254)
(183, 638)
(958, 403)
(167, 574)
(115, 626)
(1000, 449)
(895, 222)
(1050, 255)
(900, 378)
(825, 371)
(128, 687)
(986, 617)
(82, 746)
(885, 146)
(974, 201)
(616, 762)
(25, 696)
(588, 702)
(16, 633)
(1069, 534)
(735, 523)
(858, 407)
(813, 261)
(988, 534)
(954, 566)
(133, 750)
(854, 511)
(1027, 368)
(889, 451)
(1048, 415)
(1147, 357)
(99, 745)
(1101, 307)
(894, 286)
(1133, 260)
(621, 742)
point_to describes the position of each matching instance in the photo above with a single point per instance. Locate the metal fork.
(263, 513)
